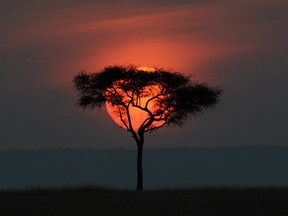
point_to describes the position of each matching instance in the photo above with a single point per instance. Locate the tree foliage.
(175, 97)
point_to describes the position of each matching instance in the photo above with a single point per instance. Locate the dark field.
(98, 201)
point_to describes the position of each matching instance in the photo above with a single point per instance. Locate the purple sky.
(240, 45)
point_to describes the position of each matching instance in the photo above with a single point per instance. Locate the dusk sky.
(240, 45)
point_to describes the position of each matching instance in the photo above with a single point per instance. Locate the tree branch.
(130, 124)
(152, 98)
(121, 118)
(154, 128)
(144, 109)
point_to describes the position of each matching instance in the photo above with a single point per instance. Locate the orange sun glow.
(137, 115)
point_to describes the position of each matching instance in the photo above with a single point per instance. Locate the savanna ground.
(84, 201)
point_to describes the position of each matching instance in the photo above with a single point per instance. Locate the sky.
(240, 45)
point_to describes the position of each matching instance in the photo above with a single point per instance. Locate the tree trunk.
(139, 166)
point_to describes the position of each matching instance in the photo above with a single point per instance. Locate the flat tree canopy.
(173, 96)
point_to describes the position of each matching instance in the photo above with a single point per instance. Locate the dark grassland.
(84, 201)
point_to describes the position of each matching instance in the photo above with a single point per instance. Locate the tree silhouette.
(164, 98)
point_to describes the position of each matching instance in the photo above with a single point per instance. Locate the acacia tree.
(163, 97)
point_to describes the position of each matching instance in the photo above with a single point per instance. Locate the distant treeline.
(245, 166)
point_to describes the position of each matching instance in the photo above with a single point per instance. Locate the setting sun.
(137, 115)
(147, 69)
